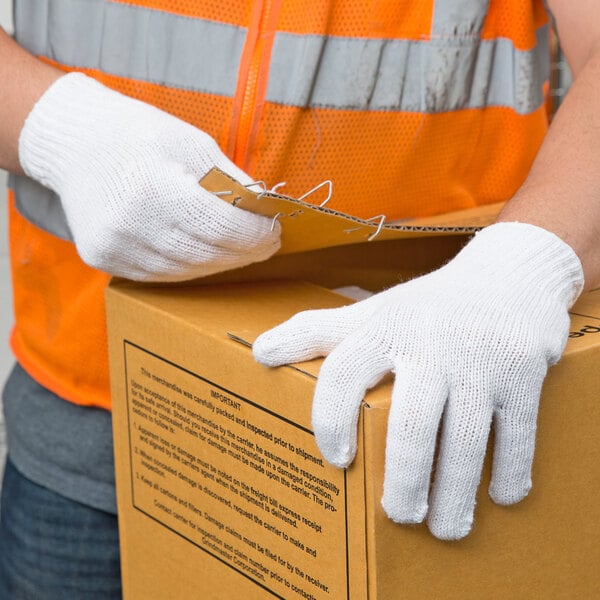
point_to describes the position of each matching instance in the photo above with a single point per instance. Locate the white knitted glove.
(127, 175)
(468, 343)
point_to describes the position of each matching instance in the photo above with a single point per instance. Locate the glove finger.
(514, 427)
(194, 250)
(417, 404)
(216, 222)
(315, 333)
(170, 204)
(172, 255)
(206, 260)
(356, 365)
(465, 431)
(305, 336)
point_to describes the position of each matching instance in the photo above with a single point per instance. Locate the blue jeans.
(52, 548)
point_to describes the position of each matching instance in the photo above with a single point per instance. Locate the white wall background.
(6, 312)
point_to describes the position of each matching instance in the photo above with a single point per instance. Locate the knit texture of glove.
(127, 175)
(468, 344)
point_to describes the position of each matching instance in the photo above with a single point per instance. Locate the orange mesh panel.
(401, 164)
(357, 18)
(506, 151)
(516, 20)
(234, 13)
(387, 18)
(208, 112)
(60, 331)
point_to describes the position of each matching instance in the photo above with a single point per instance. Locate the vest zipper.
(251, 87)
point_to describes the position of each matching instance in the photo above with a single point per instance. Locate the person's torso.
(410, 108)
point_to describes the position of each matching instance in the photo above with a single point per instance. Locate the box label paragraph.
(238, 481)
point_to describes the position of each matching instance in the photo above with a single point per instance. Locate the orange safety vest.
(412, 108)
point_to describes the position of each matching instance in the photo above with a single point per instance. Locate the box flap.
(307, 226)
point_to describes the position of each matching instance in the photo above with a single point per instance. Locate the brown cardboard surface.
(206, 471)
(307, 226)
(372, 266)
(222, 493)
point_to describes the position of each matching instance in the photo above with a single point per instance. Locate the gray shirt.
(59, 445)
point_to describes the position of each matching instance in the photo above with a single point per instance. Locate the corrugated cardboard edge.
(308, 226)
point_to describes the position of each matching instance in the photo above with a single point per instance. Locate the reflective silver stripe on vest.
(137, 43)
(40, 206)
(451, 70)
(458, 18)
(400, 75)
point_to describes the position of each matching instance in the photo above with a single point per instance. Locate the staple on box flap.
(307, 226)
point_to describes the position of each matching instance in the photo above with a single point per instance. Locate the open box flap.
(308, 226)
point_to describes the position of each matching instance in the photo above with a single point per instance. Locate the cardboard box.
(222, 492)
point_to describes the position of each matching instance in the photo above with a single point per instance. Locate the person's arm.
(562, 192)
(470, 343)
(126, 174)
(24, 80)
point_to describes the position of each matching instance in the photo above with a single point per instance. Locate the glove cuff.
(527, 257)
(59, 134)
